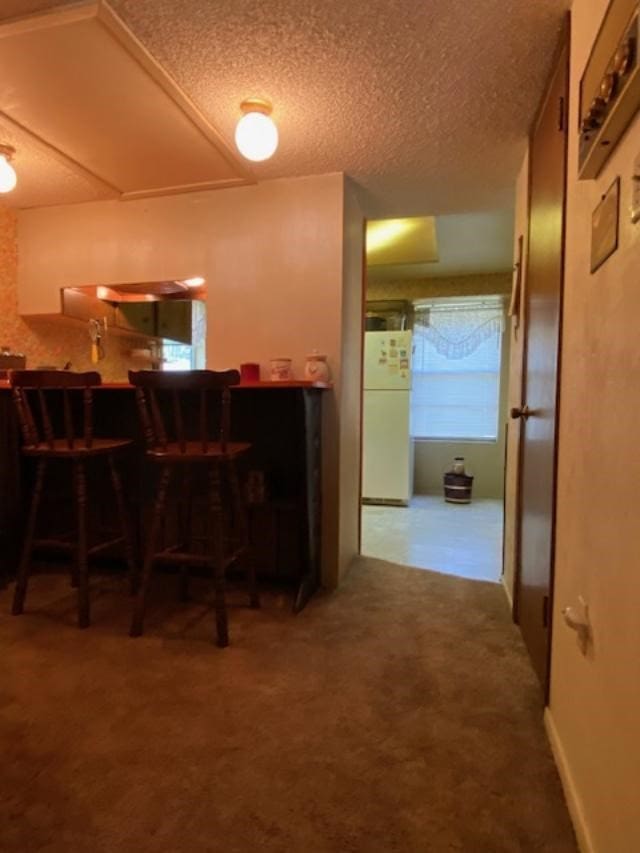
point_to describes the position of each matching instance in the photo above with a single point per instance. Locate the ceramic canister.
(280, 369)
(316, 368)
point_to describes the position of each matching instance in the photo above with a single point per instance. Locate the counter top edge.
(321, 386)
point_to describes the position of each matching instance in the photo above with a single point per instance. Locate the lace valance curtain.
(457, 329)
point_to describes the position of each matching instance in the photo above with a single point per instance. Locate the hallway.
(398, 715)
(455, 539)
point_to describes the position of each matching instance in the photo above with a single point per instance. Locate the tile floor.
(456, 539)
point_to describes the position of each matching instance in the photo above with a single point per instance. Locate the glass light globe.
(8, 178)
(256, 136)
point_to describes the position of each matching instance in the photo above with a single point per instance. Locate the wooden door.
(542, 351)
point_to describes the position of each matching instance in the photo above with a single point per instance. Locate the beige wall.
(271, 254)
(44, 342)
(483, 459)
(516, 334)
(432, 458)
(274, 259)
(594, 710)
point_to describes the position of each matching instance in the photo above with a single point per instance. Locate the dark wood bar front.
(282, 421)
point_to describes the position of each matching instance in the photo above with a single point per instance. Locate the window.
(456, 368)
(192, 356)
(176, 356)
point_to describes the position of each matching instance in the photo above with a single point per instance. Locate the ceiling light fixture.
(8, 178)
(256, 133)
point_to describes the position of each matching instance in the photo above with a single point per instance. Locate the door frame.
(563, 43)
(363, 301)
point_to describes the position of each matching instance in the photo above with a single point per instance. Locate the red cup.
(250, 372)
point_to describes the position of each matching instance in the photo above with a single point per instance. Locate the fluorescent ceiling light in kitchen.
(402, 241)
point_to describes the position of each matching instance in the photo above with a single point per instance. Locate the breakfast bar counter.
(281, 421)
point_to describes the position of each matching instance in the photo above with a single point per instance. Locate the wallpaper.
(44, 341)
(423, 288)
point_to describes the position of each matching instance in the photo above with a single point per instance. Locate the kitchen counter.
(284, 430)
(293, 383)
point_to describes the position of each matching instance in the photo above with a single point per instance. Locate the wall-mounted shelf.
(610, 86)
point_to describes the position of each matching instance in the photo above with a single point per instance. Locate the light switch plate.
(635, 191)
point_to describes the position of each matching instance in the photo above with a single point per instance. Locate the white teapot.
(316, 368)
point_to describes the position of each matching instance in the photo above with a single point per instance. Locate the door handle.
(524, 412)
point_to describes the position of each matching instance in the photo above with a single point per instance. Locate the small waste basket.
(457, 483)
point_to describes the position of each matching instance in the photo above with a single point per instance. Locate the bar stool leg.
(158, 514)
(218, 557)
(25, 558)
(116, 481)
(185, 522)
(80, 488)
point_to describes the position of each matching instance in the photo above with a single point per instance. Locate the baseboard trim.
(574, 803)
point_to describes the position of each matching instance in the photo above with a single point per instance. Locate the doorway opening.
(435, 387)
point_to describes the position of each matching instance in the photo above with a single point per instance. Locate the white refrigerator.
(387, 446)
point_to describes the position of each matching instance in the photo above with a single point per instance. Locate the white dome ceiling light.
(8, 178)
(256, 133)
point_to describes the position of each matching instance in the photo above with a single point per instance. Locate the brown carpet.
(398, 714)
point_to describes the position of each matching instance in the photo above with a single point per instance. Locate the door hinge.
(561, 113)
(545, 611)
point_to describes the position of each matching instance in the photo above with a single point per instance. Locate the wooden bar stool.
(55, 411)
(185, 417)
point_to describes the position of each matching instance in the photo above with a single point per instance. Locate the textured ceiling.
(425, 103)
(44, 177)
